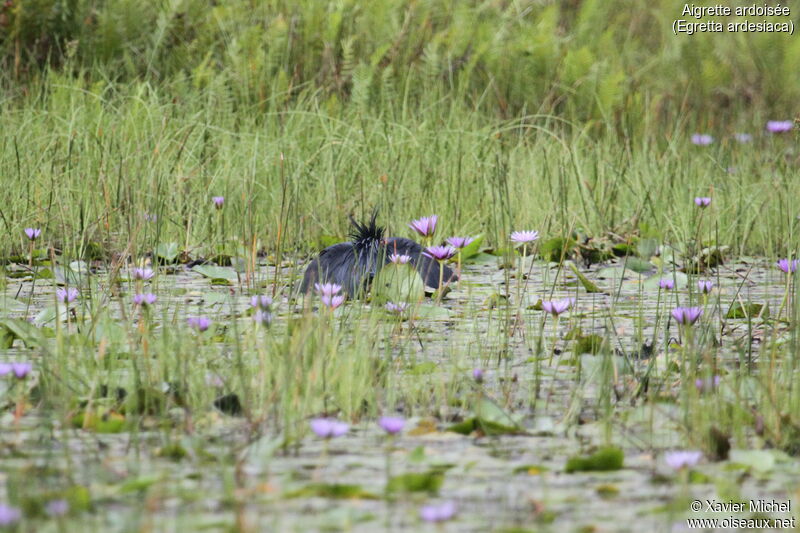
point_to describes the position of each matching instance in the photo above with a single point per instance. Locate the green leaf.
(587, 284)
(29, 334)
(167, 251)
(337, 491)
(430, 482)
(421, 369)
(493, 420)
(639, 265)
(217, 272)
(747, 309)
(759, 460)
(472, 249)
(432, 312)
(480, 258)
(557, 248)
(397, 283)
(603, 460)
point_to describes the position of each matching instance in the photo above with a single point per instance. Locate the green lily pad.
(397, 283)
(217, 272)
(167, 252)
(472, 249)
(747, 309)
(603, 460)
(557, 248)
(336, 491)
(432, 312)
(759, 460)
(588, 285)
(430, 482)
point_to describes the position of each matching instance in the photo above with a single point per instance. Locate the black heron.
(354, 264)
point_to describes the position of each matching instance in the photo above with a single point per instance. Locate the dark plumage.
(354, 264)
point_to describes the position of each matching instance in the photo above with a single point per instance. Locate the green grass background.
(495, 115)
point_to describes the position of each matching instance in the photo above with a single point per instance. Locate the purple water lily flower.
(56, 508)
(687, 315)
(702, 201)
(524, 237)
(261, 301)
(391, 424)
(200, 323)
(705, 285)
(399, 259)
(779, 126)
(425, 226)
(33, 233)
(329, 428)
(477, 374)
(396, 308)
(144, 299)
(704, 385)
(5, 369)
(9, 515)
(219, 201)
(438, 513)
(682, 459)
(21, 370)
(327, 289)
(332, 301)
(263, 317)
(556, 307)
(440, 253)
(702, 139)
(143, 274)
(67, 296)
(459, 242)
(787, 266)
(666, 283)
(743, 137)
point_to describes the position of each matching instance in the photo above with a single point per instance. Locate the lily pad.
(430, 482)
(167, 252)
(398, 283)
(747, 309)
(587, 284)
(603, 460)
(217, 272)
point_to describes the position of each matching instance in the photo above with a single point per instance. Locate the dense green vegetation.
(561, 116)
(163, 163)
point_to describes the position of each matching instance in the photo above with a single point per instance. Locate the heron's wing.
(428, 268)
(335, 264)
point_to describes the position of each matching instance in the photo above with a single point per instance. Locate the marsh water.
(555, 398)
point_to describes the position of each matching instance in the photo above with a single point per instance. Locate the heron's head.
(367, 240)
